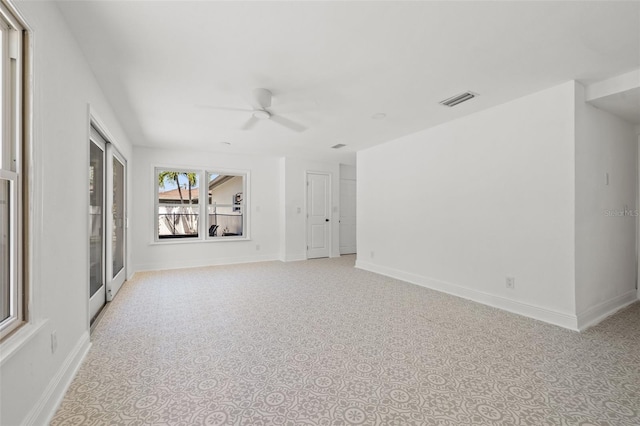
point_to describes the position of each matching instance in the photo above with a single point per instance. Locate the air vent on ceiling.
(458, 99)
(338, 146)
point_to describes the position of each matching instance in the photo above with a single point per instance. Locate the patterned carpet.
(322, 343)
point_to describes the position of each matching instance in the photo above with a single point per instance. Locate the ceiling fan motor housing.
(261, 114)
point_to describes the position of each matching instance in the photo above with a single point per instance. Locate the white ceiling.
(624, 104)
(332, 65)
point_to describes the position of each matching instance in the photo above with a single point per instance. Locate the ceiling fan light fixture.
(261, 114)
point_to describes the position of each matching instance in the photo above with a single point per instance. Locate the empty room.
(319, 213)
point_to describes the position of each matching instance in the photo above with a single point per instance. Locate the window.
(12, 312)
(178, 200)
(226, 205)
(182, 200)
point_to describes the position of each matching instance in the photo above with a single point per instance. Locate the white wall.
(263, 205)
(605, 234)
(32, 377)
(295, 206)
(472, 201)
(348, 209)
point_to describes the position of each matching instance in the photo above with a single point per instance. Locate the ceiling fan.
(260, 101)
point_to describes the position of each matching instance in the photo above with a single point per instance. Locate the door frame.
(94, 120)
(306, 204)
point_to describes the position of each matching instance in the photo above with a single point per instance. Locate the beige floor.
(321, 343)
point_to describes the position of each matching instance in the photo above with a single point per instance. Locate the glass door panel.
(97, 293)
(118, 217)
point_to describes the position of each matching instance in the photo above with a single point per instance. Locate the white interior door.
(347, 216)
(97, 287)
(318, 215)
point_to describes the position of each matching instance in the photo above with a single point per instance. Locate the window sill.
(170, 241)
(17, 340)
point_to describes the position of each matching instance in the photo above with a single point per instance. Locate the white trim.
(197, 240)
(295, 257)
(32, 178)
(542, 314)
(601, 311)
(9, 13)
(348, 250)
(48, 403)
(164, 265)
(98, 124)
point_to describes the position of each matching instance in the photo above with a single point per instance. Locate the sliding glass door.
(107, 222)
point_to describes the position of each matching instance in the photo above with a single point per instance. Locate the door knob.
(326, 220)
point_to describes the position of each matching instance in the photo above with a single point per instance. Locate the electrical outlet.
(54, 342)
(373, 254)
(257, 246)
(511, 282)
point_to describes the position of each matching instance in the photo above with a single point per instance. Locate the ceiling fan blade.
(260, 98)
(295, 106)
(249, 123)
(291, 125)
(224, 108)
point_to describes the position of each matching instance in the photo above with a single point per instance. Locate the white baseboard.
(161, 266)
(601, 311)
(294, 257)
(542, 314)
(47, 405)
(348, 250)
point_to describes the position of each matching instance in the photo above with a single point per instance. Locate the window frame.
(13, 145)
(243, 205)
(157, 171)
(203, 207)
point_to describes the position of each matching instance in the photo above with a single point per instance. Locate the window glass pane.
(5, 147)
(226, 205)
(5, 259)
(178, 196)
(96, 225)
